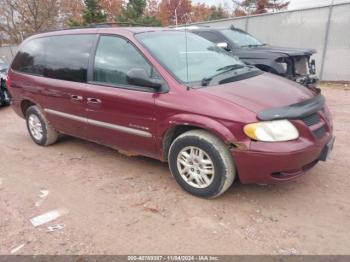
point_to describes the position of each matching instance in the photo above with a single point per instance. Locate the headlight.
(284, 66)
(272, 131)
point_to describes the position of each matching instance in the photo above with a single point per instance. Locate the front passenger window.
(114, 58)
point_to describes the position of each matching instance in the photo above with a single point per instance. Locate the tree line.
(21, 18)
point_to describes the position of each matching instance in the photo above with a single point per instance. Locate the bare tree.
(21, 18)
(9, 22)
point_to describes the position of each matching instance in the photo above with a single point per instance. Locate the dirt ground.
(132, 205)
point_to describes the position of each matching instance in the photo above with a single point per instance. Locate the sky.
(294, 4)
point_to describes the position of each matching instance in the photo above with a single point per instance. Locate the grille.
(319, 133)
(301, 65)
(312, 119)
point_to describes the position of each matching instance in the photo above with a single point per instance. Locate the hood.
(3, 66)
(283, 50)
(261, 92)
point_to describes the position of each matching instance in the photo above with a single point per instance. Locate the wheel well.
(171, 135)
(266, 68)
(176, 131)
(25, 104)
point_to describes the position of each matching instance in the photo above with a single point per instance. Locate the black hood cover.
(294, 111)
(283, 50)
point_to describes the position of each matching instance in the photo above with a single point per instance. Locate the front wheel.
(201, 164)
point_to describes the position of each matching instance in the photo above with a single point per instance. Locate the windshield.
(241, 38)
(204, 58)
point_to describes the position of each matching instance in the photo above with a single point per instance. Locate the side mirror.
(224, 46)
(139, 77)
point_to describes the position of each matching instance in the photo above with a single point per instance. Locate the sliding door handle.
(76, 98)
(94, 101)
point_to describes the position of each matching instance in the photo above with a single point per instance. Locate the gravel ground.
(131, 205)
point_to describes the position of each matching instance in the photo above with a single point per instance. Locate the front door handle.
(93, 101)
(76, 98)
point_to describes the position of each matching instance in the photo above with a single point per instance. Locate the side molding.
(89, 121)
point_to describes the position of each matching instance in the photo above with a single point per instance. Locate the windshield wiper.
(231, 67)
(224, 70)
(253, 45)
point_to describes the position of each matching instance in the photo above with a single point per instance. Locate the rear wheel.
(201, 164)
(39, 128)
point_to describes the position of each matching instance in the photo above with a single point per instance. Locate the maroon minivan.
(173, 96)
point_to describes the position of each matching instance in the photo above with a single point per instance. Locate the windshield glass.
(204, 58)
(241, 38)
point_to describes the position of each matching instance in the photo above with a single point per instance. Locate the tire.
(35, 118)
(189, 158)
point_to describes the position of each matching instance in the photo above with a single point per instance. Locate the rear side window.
(114, 58)
(31, 58)
(60, 57)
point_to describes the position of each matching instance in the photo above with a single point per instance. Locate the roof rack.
(95, 25)
(232, 27)
(192, 26)
(110, 24)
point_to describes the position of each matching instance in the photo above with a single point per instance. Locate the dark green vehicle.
(4, 94)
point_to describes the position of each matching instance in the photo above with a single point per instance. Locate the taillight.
(8, 81)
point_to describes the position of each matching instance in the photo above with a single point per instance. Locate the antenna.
(186, 41)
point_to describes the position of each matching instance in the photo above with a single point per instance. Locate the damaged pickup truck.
(293, 63)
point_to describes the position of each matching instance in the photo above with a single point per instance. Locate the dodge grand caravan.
(173, 96)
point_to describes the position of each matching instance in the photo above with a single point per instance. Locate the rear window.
(60, 57)
(212, 37)
(241, 38)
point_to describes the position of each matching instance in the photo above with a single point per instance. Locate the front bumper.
(272, 162)
(309, 82)
(303, 70)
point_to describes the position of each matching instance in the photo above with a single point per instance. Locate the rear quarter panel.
(24, 87)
